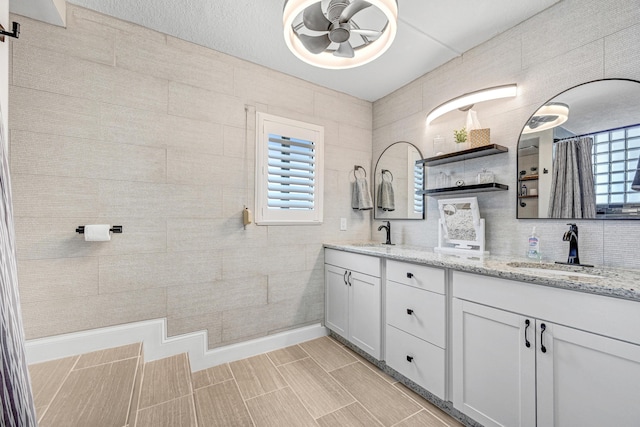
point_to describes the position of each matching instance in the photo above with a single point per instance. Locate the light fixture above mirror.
(339, 34)
(464, 102)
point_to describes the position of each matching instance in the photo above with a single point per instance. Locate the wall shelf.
(473, 188)
(528, 178)
(471, 153)
(528, 197)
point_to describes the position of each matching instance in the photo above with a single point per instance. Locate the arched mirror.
(395, 182)
(578, 154)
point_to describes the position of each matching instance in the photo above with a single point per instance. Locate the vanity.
(494, 341)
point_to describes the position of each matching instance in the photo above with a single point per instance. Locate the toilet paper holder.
(114, 229)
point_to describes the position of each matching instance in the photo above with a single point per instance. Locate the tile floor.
(316, 383)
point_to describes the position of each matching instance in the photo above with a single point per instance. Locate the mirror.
(395, 182)
(578, 154)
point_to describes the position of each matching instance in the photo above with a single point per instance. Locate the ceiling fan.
(327, 27)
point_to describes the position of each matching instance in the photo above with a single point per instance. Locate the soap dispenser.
(533, 247)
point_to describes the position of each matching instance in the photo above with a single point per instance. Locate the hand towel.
(360, 196)
(386, 200)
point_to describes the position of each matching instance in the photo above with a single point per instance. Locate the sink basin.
(550, 269)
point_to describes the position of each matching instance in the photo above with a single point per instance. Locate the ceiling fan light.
(363, 55)
(557, 114)
(471, 98)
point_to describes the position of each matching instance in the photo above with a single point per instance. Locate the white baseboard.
(153, 334)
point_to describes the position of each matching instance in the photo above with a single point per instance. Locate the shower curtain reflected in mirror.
(572, 184)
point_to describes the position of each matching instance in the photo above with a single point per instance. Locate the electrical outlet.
(343, 224)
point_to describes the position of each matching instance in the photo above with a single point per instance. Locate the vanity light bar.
(489, 94)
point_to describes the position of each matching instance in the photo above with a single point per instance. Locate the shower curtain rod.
(593, 133)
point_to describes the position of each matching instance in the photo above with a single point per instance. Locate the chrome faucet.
(571, 236)
(388, 228)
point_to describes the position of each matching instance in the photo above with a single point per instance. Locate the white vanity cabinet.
(353, 299)
(416, 324)
(527, 355)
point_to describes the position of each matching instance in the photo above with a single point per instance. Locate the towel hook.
(387, 171)
(355, 169)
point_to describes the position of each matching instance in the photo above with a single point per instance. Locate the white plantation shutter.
(418, 180)
(289, 175)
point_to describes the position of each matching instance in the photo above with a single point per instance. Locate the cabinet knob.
(409, 311)
(409, 359)
(409, 275)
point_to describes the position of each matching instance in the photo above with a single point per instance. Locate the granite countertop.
(612, 282)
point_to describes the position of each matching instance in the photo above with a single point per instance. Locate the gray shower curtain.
(15, 389)
(572, 186)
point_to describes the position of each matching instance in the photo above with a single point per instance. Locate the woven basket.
(479, 137)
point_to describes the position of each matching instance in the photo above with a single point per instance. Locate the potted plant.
(460, 136)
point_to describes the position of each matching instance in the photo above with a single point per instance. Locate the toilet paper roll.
(97, 233)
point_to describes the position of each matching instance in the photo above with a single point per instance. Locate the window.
(615, 160)
(288, 171)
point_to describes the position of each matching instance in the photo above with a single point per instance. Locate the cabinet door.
(336, 300)
(586, 379)
(364, 312)
(493, 369)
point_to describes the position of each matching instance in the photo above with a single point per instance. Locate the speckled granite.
(612, 282)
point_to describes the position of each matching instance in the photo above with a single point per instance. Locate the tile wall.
(570, 43)
(114, 123)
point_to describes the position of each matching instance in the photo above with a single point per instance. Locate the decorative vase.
(462, 146)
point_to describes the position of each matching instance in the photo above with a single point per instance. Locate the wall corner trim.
(156, 344)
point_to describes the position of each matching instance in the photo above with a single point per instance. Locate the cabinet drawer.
(415, 275)
(426, 367)
(356, 262)
(416, 311)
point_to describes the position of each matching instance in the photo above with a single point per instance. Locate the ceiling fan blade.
(345, 50)
(352, 9)
(315, 45)
(314, 19)
(370, 34)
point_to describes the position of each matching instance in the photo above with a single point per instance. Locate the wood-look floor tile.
(374, 368)
(430, 407)
(328, 353)
(353, 415)
(316, 389)
(98, 396)
(165, 379)
(179, 412)
(47, 378)
(210, 376)
(422, 419)
(287, 355)
(375, 394)
(109, 355)
(279, 408)
(256, 375)
(221, 405)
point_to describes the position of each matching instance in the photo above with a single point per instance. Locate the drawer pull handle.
(526, 341)
(349, 279)
(344, 277)
(543, 328)
(409, 275)
(409, 359)
(409, 311)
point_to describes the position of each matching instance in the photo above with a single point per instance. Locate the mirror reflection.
(395, 182)
(578, 154)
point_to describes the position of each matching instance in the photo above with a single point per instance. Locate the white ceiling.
(430, 33)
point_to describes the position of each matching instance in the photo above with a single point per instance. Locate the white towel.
(386, 200)
(360, 196)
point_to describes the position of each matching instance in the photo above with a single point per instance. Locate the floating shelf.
(471, 153)
(528, 197)
(528, 178)
(474, 188)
